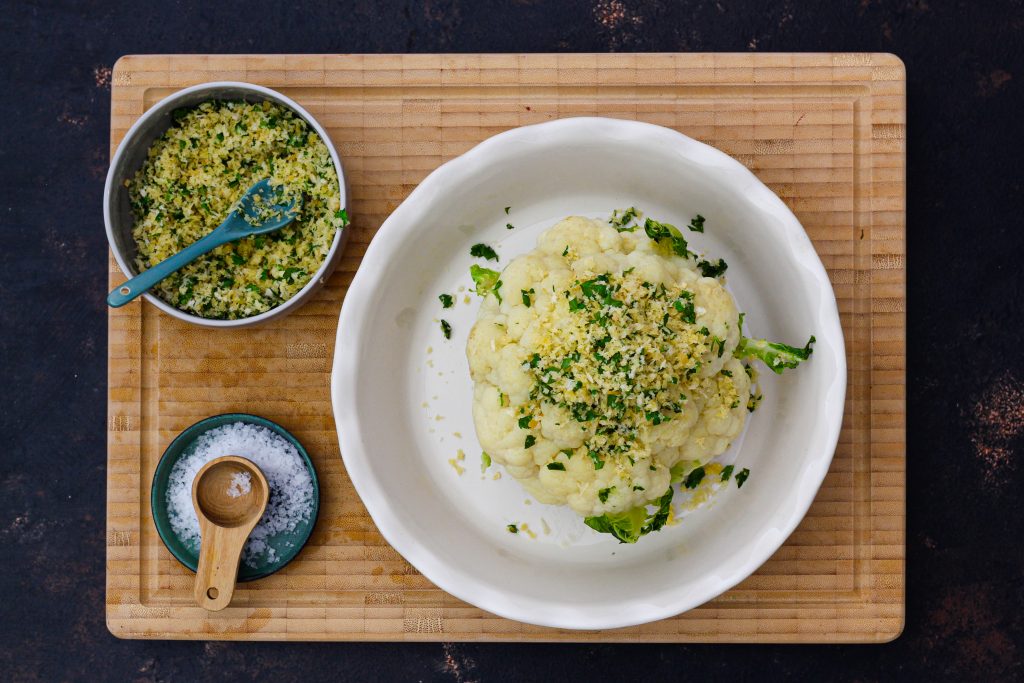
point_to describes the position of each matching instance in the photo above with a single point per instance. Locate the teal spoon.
(242, 222)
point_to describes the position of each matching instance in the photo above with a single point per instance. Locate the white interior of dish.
(399, 407)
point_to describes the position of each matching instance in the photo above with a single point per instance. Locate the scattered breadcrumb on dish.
(497, 476)
(460, 456)
(524, 527)
(457, 435)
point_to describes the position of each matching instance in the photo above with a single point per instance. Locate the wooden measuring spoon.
(228, 506)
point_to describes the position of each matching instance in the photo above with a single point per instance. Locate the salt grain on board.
(291, 486)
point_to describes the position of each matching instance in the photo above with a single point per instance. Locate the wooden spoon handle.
(219, 555)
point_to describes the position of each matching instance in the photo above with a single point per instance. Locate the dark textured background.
(965, 65)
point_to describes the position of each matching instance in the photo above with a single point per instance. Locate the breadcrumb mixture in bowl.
(190, 180)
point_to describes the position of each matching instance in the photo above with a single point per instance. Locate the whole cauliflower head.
(601, 361)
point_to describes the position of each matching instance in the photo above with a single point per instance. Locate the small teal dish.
(285, 544)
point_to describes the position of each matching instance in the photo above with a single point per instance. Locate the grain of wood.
(825, 131)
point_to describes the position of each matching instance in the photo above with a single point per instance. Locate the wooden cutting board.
(825, 131)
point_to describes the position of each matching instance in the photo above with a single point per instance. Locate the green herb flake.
(708, 269)
(447, 300)
(556, 466)
(602, 495)
(512, 529)
(697, 223)
(446, 329)
(485, 462)
(507, 209)
(741, 477)
(530, 440)
(483, 251)
(527, 294)
(524, 422)
(727, 472)
(623, 219)
(595, 457)
(694, 478)
(509, 226)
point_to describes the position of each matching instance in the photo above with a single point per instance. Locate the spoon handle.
(124, 293)
(219, 555)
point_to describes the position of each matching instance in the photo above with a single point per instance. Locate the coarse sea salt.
(291, 486)
(241, 484)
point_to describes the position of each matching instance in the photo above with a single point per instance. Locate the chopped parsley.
(485, 462)
(527, 294)
(697, 223)
(623, 220)
(595, 457)
(447, 300)
(524, 422)
(741, 477)
(509, 226)
(684, 305)
(512, 529)
(708, 269)
(446, 329)
(483, 251)
(556, 466)
(565, 252)
(694, 478)
(602, 495)
(530, 440)
(727, 472)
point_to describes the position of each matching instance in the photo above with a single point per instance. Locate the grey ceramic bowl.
(131, 153)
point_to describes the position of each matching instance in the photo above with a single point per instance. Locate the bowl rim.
(157, 109)
(349, 345)
(190, 434)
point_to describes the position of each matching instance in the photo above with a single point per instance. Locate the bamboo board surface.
(826, 132)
